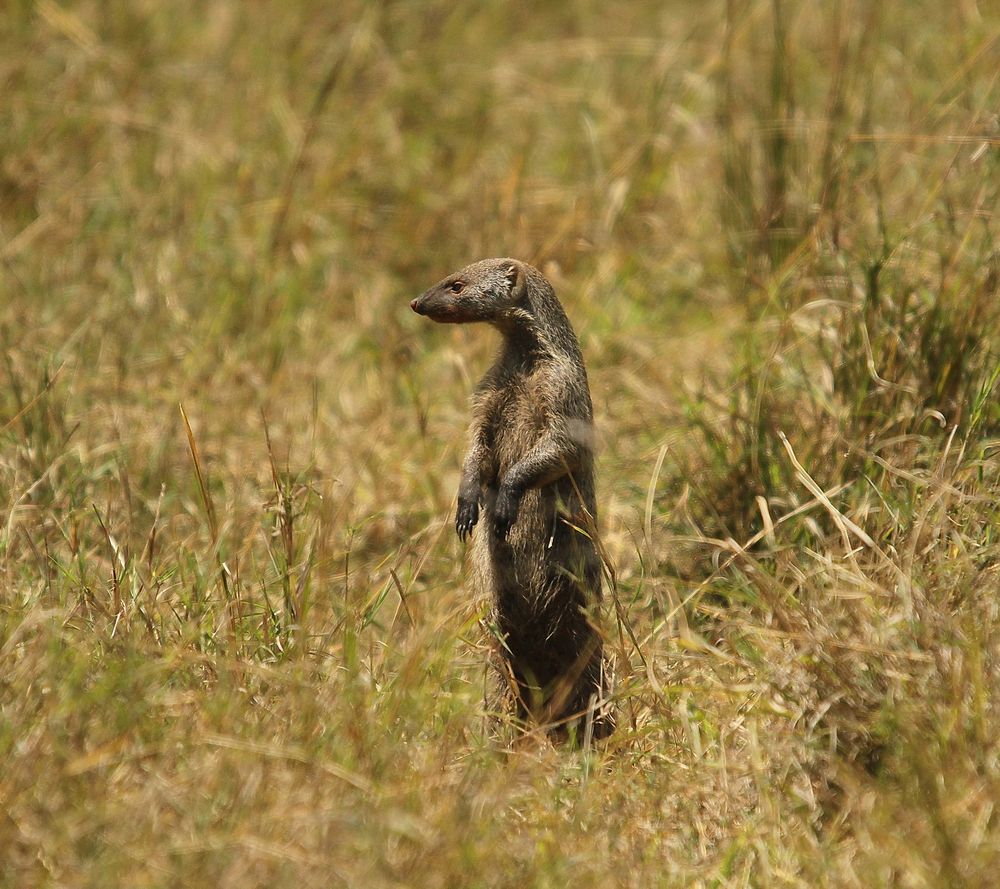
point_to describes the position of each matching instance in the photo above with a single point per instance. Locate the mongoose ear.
(514, 274)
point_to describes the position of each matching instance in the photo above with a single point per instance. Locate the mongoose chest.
(514, 418)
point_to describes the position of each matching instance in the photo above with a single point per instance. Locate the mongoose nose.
(413, 304)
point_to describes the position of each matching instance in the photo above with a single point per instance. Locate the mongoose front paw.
(466, 517)
(505, 512)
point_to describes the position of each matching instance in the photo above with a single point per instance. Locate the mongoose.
(529, 472)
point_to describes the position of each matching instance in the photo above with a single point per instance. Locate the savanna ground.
(237, 647)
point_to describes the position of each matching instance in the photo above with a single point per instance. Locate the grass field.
(237, 643)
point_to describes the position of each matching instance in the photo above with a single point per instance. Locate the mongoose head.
(489, 290)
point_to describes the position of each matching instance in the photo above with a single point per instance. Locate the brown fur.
(530, 468)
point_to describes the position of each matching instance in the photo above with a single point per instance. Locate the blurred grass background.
(237, 645)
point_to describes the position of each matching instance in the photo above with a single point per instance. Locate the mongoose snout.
(444, 305)
(530, 467)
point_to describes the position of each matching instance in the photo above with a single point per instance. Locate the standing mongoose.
(530, 469)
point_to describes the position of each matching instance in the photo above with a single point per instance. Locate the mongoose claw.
(505, 513)
(466, 517)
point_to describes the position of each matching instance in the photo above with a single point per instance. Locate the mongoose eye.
(457, 287)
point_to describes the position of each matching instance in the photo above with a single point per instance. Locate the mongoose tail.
(530, 469)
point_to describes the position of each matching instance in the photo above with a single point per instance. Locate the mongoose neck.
(524, 340)
(538, 328)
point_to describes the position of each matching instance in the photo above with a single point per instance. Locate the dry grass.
(236, 645)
